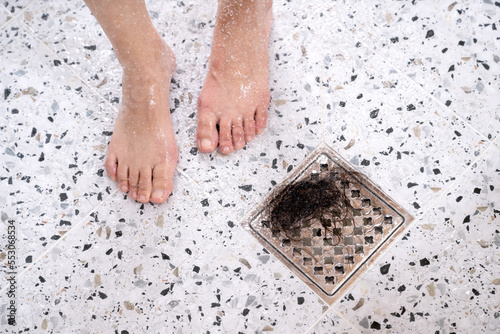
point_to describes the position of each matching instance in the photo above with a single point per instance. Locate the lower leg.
(235, 94)
(142, 154)
(129, 28)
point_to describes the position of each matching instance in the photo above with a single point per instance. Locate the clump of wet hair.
(323, 199)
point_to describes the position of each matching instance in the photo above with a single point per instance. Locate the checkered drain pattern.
(330, 259)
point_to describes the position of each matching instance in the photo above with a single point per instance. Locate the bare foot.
(143, 154)
(235, 95)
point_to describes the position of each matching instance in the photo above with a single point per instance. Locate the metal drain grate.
(329, 262)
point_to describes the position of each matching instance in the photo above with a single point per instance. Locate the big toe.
(111, 165)
(162, 183)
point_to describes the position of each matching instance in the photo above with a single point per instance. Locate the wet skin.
(232, 106)
(235, 95)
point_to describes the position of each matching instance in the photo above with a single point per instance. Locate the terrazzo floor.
(406, 91)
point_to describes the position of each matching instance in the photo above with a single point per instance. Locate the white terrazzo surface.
(407, 91)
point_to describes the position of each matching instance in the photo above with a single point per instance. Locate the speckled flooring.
(407, 91)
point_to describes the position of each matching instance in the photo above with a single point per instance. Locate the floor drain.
(330, 259)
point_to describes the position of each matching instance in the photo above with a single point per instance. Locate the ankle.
(151, 53)
(263, 5)
(243, 12)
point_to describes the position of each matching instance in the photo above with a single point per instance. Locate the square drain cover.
(329, 260)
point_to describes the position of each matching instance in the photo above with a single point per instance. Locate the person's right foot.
(235, 95)
(142, 154)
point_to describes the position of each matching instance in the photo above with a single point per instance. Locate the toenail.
(225, 149)
(142, 198)
(206, 144)
(124, 188)
(158, 194)
(134, 194)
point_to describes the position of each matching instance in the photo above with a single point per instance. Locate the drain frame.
(323, 153)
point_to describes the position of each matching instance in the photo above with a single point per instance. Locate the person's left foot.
(235, 95)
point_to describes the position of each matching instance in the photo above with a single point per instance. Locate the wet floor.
(407, 93)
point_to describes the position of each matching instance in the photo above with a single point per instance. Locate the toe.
(111, 166)
(249, 129)
(144, 185)
(238, 134)
(123, 176)
(206, 133)
(133, 181)
(225, 138)
(261, 118)
(162, 184)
